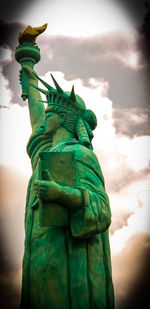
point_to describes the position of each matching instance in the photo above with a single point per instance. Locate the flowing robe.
(68, 267)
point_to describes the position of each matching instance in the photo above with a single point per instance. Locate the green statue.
(66, 262)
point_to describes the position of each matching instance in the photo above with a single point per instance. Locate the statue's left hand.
(47, 190)
(51, 191)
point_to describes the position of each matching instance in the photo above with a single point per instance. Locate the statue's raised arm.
(28, 54)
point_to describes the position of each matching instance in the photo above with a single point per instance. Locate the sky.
(102, 48)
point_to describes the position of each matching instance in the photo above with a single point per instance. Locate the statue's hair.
(70, 119)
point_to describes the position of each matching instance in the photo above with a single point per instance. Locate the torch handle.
(24, 78)
(26, 54)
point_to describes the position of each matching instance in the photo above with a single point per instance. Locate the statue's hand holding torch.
(28, 54)
(23, 81)
(25, 74)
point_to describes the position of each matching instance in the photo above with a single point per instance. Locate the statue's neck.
(60, 135)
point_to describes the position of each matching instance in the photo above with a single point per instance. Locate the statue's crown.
(81, 120)
(57, 97)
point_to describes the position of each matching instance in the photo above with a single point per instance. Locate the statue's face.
(52, 123)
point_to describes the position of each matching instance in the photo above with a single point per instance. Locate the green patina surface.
(66, 260)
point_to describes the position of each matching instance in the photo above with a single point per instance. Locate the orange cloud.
(10, 287)
(12, 190)
(131, 271)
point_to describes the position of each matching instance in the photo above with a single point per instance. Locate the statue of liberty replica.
(66, 263)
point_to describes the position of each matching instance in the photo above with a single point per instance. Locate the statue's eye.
(49, 115)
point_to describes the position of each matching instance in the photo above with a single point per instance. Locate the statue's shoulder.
(37, 143)
(85, 156)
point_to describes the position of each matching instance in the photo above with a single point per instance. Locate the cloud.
(130, 212)
(13, 186)
(124, 161)
(13, 196)
(125, 165)
(144, 34)
(12, 190)
(120, 215)
(124, 176)
(113, 58)
(105, 56)
(131, 272)
(9, 69)
(9, 33)
(6, 92)
(16, 130)
(131, 209)
(10, 286)
(11, 10)
(135, 9)
(132, 121)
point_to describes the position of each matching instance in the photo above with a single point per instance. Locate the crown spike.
(56, 85)
(72, 94)
(40, 89)
(43, 82)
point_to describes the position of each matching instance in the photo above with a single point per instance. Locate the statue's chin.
(48, 134)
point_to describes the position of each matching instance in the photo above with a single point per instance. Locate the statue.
(66, 260)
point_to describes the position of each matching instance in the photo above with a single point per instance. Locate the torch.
(28, 53)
